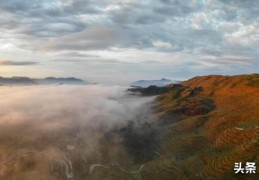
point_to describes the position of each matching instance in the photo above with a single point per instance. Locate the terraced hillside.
(217, 125)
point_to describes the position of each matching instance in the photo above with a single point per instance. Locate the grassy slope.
(217, 125)
(209, 122)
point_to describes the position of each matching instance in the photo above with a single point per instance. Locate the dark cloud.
(82, 7)
(134, 14)
(16, 63)
(177, 7)
(140, 23)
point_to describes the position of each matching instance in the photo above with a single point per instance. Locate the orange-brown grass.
(235, 136)
(185, 145)
(222, 166)
(217, 138)
(191, 123)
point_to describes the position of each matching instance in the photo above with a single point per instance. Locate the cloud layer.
(13, 63)
(55, 132)
(63, 106)
(127, 30)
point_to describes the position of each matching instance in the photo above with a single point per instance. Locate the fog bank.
(54, 132)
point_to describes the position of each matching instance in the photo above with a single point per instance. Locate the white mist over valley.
(55, 132)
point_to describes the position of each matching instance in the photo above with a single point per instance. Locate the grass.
(206, 146)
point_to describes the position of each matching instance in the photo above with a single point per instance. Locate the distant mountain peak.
(164, 79)
(63, 78)
(146, 83)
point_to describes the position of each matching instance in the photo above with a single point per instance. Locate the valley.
(197, 129)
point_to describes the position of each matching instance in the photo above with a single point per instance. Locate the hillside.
(152, 90)
(217, 125)
(201, 128)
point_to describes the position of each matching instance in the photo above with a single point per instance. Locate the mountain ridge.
(199, 129)
(160, 82)
(214, 123)
(17, 80)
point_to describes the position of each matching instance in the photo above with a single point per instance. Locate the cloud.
(141, 23)
(95, 38)
(16, 63)
(177, 7)
(99, 104)
(89, 60)
(162, 45)
(226, 60)
(64, 129)
(76, 54)
(191, 28)
(244, 35)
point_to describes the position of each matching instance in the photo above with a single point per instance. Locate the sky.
(120, 41)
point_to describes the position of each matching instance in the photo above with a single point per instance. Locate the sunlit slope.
(213, 122)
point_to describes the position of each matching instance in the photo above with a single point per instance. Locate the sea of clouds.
(45, 130)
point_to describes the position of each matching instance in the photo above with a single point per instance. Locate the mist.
(60, 132)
